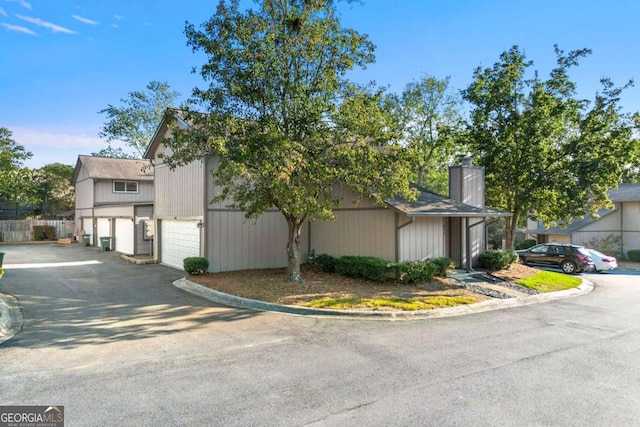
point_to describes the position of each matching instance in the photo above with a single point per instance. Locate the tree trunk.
(510, 230)
(293, 253)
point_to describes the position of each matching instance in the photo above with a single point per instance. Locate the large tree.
(136, 120)
(15, 180)
(428, 115)
(546, 153)
(54, 189)
(284, 119)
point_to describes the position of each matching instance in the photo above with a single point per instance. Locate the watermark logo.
(32, 416)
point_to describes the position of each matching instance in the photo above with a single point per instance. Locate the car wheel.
(568, 267)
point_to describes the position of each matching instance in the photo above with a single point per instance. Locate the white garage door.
(104, 227)
(124, 236)
(178, 240)
(87, 224)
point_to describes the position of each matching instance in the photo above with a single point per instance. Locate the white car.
(602, 262)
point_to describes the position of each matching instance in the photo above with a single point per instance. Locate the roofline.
(153, 144)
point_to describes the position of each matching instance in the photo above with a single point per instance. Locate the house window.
(125, 186)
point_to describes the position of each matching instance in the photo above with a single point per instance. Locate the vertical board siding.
(235, 243)
(84, 194)
(104, 192)
(142, 213)
(366, 232)
(22, 230)
(179, 193)
(425, 238)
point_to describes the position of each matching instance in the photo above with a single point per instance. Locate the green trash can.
(1, 258)
(86, 239)
(105, 243)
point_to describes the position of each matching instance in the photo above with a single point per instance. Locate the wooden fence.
(22, 230)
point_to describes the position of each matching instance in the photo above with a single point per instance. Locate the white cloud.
(84, 20)
(18, 28)
(39, 22)
(115, 25)
(118, 17)
(22, 3)
(2, 12)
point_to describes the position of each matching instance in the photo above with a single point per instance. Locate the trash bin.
(86, 239)
(1, 258)
(105, 243)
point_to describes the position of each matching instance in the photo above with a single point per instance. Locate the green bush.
(416, 271)
(526, 244)
(443, 265)
(498, 259)
(634, 255)
(1, 272)
(327, 262)
(44, 232)
(196, 265)
(362, 267)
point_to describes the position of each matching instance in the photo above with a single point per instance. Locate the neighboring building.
(114, 198)
(620, 225)
(187, 225)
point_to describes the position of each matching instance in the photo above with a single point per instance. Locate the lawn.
(549, 281)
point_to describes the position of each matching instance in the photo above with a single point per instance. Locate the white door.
(104, 228)
(124, 236)
(87, 224)
(178, 240)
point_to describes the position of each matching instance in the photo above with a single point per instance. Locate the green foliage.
(196, 265)
(525, 244)
(16, 183)
(633, 255)
(549, 281)
(135, 122)
(53, 188)
(44, 232)
(442, 265)
(415, 271)
(428, 116)
(363, 267)
(497, 259)
(283, 117)
(327, 262)
(1, 272)
(610, 245)
(407, 304)
(546, 153)
(114, 153)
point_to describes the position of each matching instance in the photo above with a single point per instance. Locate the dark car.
(569, 258)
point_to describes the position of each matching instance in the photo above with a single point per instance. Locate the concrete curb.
(10, 317)
(489, 305)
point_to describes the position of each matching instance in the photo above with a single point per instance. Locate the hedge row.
(379, 270)
(195, 265)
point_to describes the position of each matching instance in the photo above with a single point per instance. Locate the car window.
(585, 252)
(539, 249)
(554, 250)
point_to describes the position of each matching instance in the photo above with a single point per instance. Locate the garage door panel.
(124, 236)
(104, 227)
(178, 240)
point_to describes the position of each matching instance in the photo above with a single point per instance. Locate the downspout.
(486, 231)
(468, 241)
(398, 228)
(622, 254)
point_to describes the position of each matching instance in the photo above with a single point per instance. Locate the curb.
(10, 317)
(460, 310)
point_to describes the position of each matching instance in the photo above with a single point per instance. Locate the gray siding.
(142, 213)
(180, 192)
(466, 185)
(235, 243)
(365, 232)
(104, 193)
(425, 238)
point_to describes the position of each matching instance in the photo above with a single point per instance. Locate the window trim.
(113, 187)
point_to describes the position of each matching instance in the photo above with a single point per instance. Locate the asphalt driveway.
(117, 344)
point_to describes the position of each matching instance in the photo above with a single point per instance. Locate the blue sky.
(62, 61)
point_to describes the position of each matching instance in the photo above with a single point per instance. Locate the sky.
(62, 61)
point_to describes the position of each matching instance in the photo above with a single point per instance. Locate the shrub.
(526, 244)
(443, 265)
(498, 259)
(1, 272)
(416, 271)
(196, 265)
(327, 262)
(370, 268)
(44, 232)
(633, 255)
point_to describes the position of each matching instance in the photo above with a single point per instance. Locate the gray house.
(187, 225)
(114, 198)
(622, 223)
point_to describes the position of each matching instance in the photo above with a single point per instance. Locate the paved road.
(117, 344)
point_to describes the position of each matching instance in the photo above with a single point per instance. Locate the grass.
(549, 281)
(410, 304)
